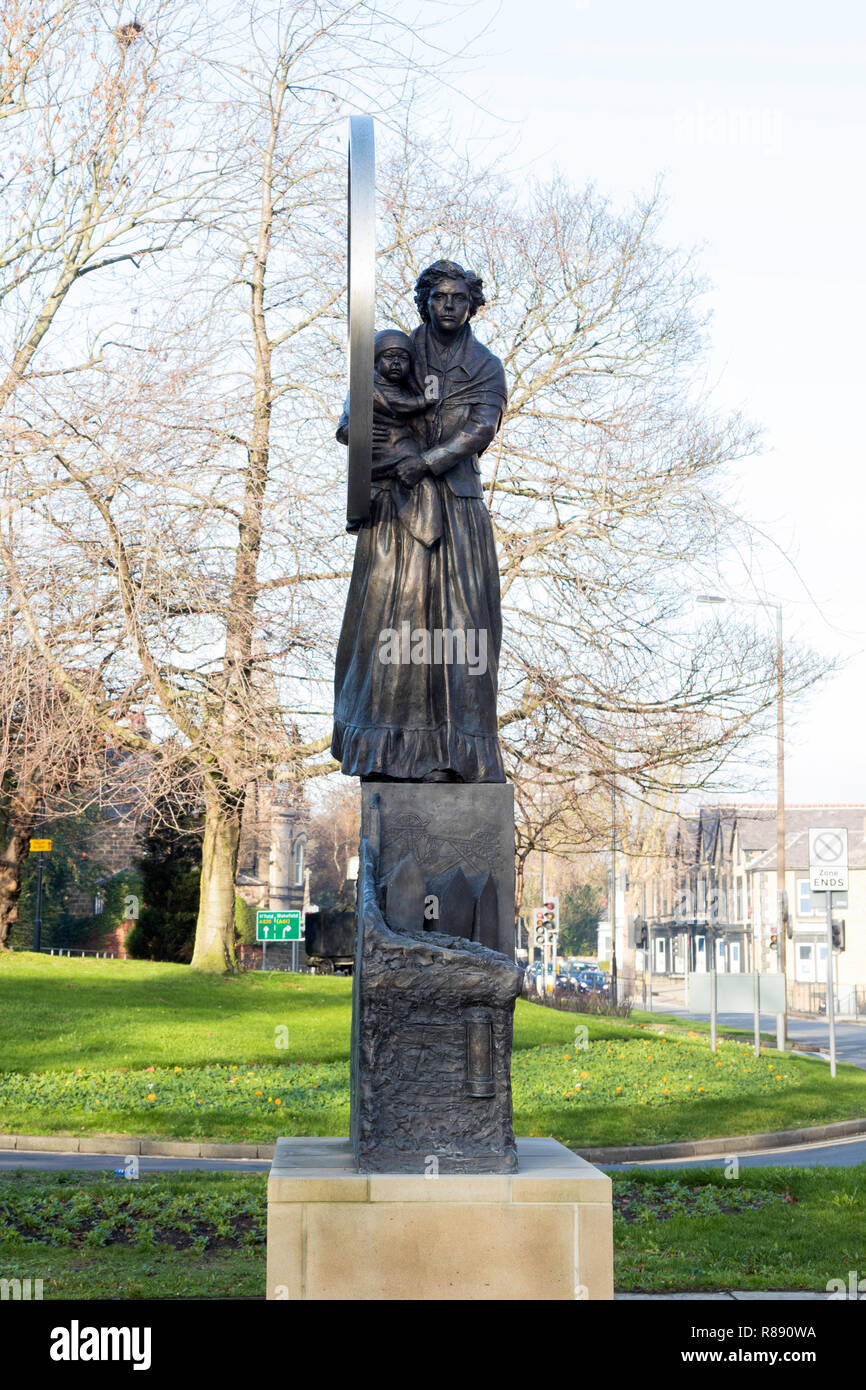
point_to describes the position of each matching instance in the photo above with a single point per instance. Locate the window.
(299, 864)
(720, 955)
(98, 904)
(739, 900)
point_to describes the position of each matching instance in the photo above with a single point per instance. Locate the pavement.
(839, 1153)
(32, 1161)
(731, 1296)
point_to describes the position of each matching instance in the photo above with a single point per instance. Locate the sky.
(754, 117)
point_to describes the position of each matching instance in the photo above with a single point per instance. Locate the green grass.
(187, 1235)
(59, 1012)
(806, 1226)
(165, 1236)
(134, 1048)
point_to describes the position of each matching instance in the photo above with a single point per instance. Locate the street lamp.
(781, 870)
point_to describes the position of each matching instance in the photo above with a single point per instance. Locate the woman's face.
(449, 305)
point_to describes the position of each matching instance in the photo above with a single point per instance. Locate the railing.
(75, 951)
(850, 1000)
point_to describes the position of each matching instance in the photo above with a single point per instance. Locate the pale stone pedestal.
(544, 1232)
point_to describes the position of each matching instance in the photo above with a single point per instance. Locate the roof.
(697, 836)
(797, 849)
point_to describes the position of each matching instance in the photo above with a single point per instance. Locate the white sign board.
(735, 994)
(828, 860)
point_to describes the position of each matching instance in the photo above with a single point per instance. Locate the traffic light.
(785, 919)
(839, 936)
(774, 940)
(550, 915)
(538, 925)
(640, 935)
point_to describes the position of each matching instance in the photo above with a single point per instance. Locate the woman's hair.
(447, 270)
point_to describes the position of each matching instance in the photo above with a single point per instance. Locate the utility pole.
(613, 981)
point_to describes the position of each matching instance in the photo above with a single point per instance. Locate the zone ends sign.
(828, 860)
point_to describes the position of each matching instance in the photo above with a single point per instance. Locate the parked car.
(590, 981)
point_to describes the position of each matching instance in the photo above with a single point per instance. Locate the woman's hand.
(411, 471)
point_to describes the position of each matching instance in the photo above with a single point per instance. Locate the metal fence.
(850, 1000)
(74, 951)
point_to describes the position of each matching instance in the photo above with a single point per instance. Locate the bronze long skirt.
(396, 712)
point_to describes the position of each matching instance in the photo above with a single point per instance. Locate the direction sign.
(37, 846)
(278, 926)
(828, 860)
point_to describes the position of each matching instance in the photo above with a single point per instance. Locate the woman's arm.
(472, 438)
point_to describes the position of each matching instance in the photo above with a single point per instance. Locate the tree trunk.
(11, 863)
(215, 928)
(16, 833)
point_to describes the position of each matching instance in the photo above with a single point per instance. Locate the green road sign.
(278, 926)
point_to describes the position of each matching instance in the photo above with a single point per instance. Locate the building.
(714, 887)
(272, 857)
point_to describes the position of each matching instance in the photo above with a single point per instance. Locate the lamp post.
(781, 868)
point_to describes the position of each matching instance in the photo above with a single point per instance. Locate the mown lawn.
(116, 1047)
(87, 1236)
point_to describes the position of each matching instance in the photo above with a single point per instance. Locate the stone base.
(545, 1232)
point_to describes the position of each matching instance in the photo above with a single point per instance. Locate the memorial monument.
(415, 718)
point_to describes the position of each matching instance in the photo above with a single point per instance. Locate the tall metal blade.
(362, 305)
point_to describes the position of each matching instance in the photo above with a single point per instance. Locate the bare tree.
(177, 462)
(188, 477)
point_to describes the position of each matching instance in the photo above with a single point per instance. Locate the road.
(10, 1159)
(840, 1153)
(850, 1037)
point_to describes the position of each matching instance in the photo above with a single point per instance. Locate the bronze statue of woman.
(416, 674)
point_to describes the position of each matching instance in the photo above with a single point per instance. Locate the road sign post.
(40, 848)
(277, 926)
(831, 993)
(828, 873)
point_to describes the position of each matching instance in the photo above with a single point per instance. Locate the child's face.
(394, 364)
